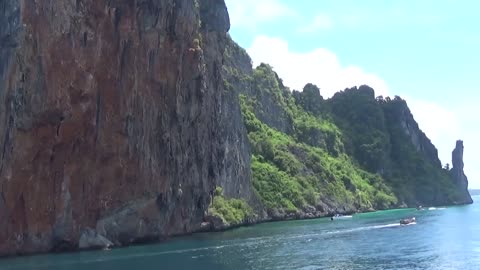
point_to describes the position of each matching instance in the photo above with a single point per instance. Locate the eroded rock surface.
(91, 239)
(109, 119)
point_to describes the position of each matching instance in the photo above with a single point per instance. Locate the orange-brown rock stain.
(102, 114)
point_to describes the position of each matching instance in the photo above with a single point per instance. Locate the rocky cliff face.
(119, 118)
(309, 99)
(236, 65)
(458, 175)
(430, 183)
(410, 127)
(112, 119)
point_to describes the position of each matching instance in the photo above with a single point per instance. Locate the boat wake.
(313, 236)
(366, 228)
(411, 223)
(342, 217)
(435, 208)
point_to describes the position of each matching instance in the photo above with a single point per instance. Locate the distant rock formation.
(458, 174)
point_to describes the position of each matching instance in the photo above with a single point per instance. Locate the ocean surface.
(442, 238)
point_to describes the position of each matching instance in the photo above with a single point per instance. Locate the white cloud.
(319, 22)
(249, 13)
(320, 67)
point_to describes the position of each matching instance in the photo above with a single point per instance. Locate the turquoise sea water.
(443, 238)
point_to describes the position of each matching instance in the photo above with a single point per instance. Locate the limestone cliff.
(384, 138)
(236, 65)
(410, 127)
(112, 119)
(121, 120)
(458, 175)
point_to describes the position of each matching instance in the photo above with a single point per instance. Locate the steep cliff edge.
(384, 138)
(459, 177)
(112, 119)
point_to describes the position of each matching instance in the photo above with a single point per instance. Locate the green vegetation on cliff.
(352, 152)
(383, 137)
(307, 167)
(231, 211)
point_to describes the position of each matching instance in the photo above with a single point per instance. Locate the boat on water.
(407, 221)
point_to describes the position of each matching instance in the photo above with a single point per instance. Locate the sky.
(425, 51)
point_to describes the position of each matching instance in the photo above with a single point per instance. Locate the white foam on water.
(387, 226)
(366, 228)
(435, 208)
(342, 217)
(199, 256)
(411, 223)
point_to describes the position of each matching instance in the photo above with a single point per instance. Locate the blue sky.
(425, 51)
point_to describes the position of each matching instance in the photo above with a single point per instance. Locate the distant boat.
(407, 221)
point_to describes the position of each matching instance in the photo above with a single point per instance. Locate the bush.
(231, 211)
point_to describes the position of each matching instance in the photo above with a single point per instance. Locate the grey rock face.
(90, 239)
(458, 175)
(216, 223)
(9, 31)
(457, 157)
(236, 182)
(112, 118)
(421, 142)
